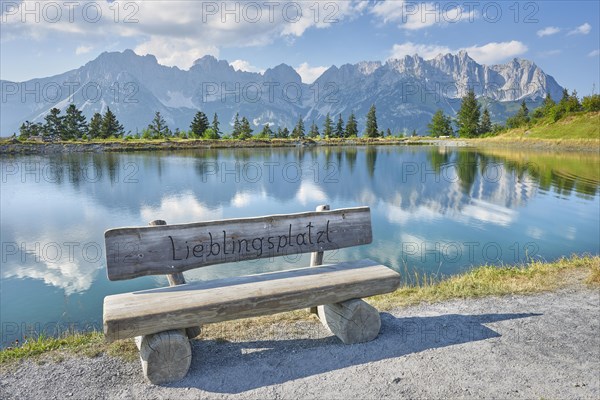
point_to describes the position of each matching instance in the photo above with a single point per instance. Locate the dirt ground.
(532, 347)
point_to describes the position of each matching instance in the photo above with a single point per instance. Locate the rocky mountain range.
(406, 91)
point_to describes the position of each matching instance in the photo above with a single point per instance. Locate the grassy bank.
(579, 131)
(575, 132)
(533, 277)
(11, 146)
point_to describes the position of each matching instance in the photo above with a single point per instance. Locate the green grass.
(578, 126)
(90, 344)
(594, 276)
(533, 277)
(224, 142)
(585, 166)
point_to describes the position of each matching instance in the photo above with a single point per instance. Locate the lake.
(435, 210)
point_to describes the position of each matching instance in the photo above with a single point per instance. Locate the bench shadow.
(235, 367)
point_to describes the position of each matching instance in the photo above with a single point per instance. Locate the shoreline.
(479, 282)
(12, 147)
(26, 148)
(542, 345)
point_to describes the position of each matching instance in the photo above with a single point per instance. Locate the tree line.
(74, 126)
(471, 122)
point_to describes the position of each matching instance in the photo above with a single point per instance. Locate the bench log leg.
(353, 321)
(178, 279)
(165, 356)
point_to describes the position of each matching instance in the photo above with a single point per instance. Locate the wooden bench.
(163, 320)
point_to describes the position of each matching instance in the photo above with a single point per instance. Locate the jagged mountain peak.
(124, 57)
(206, 60)
(368, 67)
(464, 55)
(210, 63)
(135, 87)
(282, 73)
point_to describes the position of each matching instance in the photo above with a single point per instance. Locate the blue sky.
(43, 38)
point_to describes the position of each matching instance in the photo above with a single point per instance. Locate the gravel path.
(542, 346)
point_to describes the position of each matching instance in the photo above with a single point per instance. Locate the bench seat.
(151, 311)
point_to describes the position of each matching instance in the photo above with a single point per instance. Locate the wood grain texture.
(316, 258)
(165, 356)
(178, 279)
(169, 249)
(141, 313)
(352, 321)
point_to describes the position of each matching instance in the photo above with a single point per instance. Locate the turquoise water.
(433, 210)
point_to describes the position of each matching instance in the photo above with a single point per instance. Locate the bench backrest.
(169, 249)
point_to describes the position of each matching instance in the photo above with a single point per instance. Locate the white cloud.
(495, 52)
(550, 30)
(427, 51)
(535, 232)
(594, 53)
(71, 275)
(389, 10)
(361, 5)
(309, 74)
(175, 52)
(309, 192)
(490, 53)
(489, 213)
(581, 30)
(180, 209)
(415, 16)
(83, 49)
(415, 213)
(570, 233)
(243, 65)
(198, 30)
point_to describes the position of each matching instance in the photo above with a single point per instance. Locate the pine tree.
(29, 129)
(95, 126)
(372, 131)
(389, 132)
(285, 133)
(486, 122)
(298, 132)
(75, 124)
(25, 130)
(591, 103)
(524, 111)
(352, 126)
(314, 131)
(328, 127)
(467, 119)
(548, 104)
(54, 126)
(199, 125)
(440, 125)
(573, 104)
(237, 127)
(339, 128)
(110, 125)
(215, 126)
(245, 129)
(158, 127)
(266, 133)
